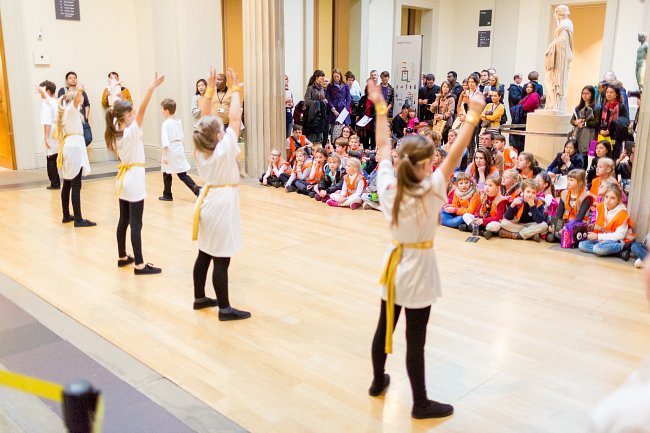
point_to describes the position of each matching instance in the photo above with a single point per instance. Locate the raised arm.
(382, 134)
(234, 115)
(78, 97)
(465, 136)
(147, 97)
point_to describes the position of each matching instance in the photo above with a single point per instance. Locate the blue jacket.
(338, 97)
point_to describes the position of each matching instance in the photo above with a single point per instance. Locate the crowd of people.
(498, 189)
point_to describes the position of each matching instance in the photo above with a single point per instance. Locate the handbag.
(592, 148)
(439, 126)
(88, 133)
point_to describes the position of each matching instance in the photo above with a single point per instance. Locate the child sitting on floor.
(524, 218)
(296, 141)
(353, 186)
(546, 193)
(490, 211)
(574, 204)
(511, 184)
(509, 153)
(275, 168)
(300, 172)
(315, 174)
(331, 181)
(605, 169)
(464, 199)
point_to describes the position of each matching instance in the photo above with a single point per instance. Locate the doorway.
(233, 36)
(7, 157)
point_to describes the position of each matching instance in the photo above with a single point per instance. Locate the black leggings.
(219, 277)
(75, 186)
(416, 336)
(187, 180)
(130, 215)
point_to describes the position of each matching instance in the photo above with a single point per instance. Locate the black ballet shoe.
(67, 219)
(204, 303)
(52, 187)
(376, 388)
(148, 269)
(125, 262)
(165, 198)
(196, 190)
(233, 314)
(84, 223)
(432, 409)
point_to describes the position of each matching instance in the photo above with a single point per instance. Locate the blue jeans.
(604, 248)
(639, 250)
(451, 220)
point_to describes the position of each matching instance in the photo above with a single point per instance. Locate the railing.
(517, 129)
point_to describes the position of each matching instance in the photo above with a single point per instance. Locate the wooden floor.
(526, 338)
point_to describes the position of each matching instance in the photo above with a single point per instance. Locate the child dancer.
(524, 218)
(490, 212)
(300, 171)
(216, 215)
(73, 156)
(315, 174)
(124, 136)
(49, 108)
(353, 186)
(574, 204)
(331, 181)
(173, 151)
(410, 277)
(464, 199)
(613, 228)
(274, 170)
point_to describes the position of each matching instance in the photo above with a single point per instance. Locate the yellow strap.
(388, 281)
(197, 210)
(59, 158)
(38, 387)
(121, 172)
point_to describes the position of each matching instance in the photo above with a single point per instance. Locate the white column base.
(544, 147)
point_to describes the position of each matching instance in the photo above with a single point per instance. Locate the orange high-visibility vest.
(611, 226)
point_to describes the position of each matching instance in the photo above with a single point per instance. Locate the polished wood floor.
(526, 338)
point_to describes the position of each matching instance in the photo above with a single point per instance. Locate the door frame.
(5, 91)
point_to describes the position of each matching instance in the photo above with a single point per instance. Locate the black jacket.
(326, 183)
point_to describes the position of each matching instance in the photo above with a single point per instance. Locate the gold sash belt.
(59, 158)
(197, 211)
(121, 172)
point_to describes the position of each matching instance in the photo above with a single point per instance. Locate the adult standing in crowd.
(314, 122)
(366, 108)
(388, 91)
(115, 91)
(288, 104)
(529, 103)
(426, 96)
(515, 91)
(199, 98)
(338, 99)
(456, 87)
(443, 109)
(614, 120)
(221, 100)
(585, 119)
(84, 107)
(484, 80)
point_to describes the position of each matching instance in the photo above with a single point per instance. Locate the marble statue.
(641, 54)
(558, 58)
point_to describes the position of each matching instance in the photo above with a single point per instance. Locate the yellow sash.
(59, 158)
(121, 172)
(388, 281)
(197, 210)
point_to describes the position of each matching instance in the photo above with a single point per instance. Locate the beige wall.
(136, 38)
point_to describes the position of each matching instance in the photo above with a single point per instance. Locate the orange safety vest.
(473, 170)
(293, 147)
(520, 212)
(611, 226)
(508, 162)
(571, 212)
(495, 204)
(317, 175)
(305, 166)
(281, 167)
(352, 186)
(469, 204)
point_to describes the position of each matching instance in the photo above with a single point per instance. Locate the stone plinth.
(546, 147)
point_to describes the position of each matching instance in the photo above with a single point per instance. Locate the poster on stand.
(407, 70)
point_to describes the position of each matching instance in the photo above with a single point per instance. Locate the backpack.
(518, 114)
(572, 234)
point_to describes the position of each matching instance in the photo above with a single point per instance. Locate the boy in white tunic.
(49, 108)
(123, 135)
(173, 151)
(216, 215)
(410, 201)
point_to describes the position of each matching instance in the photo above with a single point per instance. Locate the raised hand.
(158, 80)
(212, 78)
(374, 92)
(232, 77)
(477, 103)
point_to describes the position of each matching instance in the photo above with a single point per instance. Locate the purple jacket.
(338, 98)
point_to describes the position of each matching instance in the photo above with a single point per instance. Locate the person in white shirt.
(173, 151)
(217, 224)
(49, 108)
(410, 278)
(123, 136)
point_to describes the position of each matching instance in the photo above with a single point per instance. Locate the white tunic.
(75, 155)
(49, 108)
(172, 138)
(130, 150)
(219, 223)
(417, 283)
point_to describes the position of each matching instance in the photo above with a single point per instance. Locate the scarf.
(467, 194)
(610, 113)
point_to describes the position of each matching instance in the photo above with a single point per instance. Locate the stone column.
(264, 81)
(639, 199)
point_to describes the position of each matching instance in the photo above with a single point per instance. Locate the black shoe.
(165, 198)
(432, 409)
(625, 255)
(84, 223)
(550, 237)
(277, 184)
(125, 262)
(67, 219)
(204, 303)
(196, 190)
(463, 228)
(52, 187)
(377, 388)
(233, 314)
(291, 188)
(312, 194)
(487, 234)
(148, 269)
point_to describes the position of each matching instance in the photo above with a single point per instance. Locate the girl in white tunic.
(49, 107)
(173, 151)
(411, 201)
(73, 157)
(124, 136)
(216, 215)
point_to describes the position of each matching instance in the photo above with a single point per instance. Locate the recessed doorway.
(7, 156)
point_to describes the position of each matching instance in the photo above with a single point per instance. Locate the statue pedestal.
(545, 148)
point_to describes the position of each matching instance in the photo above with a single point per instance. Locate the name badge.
(220, 110)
